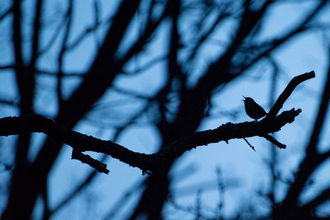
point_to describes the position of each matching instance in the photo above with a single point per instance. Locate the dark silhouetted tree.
(66, 61)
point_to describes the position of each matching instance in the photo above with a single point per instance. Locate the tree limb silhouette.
(150, 162)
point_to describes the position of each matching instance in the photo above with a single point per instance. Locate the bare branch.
(274, 141)
(249, 144)
(313, 158)
(62, 53)
(101, 167)
(6, 13)
(287, 92)
(151, 162)
(10, 66)
(81, 142)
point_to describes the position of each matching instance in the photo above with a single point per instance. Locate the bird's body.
(252, 109)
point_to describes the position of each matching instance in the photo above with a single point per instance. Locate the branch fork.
(152, 162)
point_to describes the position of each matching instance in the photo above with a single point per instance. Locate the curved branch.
(287, 92)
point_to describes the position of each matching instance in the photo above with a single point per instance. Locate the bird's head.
(247, 99)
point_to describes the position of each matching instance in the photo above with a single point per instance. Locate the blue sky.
(237, 160)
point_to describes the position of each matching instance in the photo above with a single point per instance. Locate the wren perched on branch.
(252, 109)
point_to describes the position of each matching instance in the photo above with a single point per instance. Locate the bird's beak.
(244, 98)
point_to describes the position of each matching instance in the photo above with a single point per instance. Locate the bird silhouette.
(252, 109)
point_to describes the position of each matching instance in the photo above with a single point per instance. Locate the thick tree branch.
(287, 92)
(150, 162)
(146, 162)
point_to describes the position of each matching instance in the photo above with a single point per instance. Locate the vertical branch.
(311, 161)
(319, 121)
(62, 54)
(36, 33)
(153, 198)
(16, 206)
(273, 152)
(25, 85)
(173, 69)
(22, 149)
(25, 191)
(173, 66)
(17, 37)
(221, 191)
(97, 16)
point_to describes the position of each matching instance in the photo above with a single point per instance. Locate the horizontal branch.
(146, 162)
(151, 162)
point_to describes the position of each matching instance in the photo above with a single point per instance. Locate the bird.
(252, 109)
